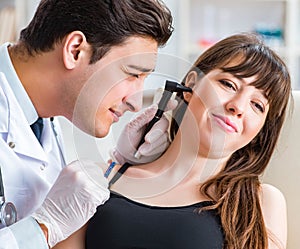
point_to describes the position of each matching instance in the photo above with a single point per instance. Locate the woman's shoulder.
(271, 195)
(272, 200)
(274, 211)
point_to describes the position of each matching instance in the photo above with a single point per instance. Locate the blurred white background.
(198, 24)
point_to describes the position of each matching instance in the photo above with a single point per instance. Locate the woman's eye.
(227, 84)
(259, 107)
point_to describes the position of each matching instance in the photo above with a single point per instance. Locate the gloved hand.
(156, 140)
(72, 200)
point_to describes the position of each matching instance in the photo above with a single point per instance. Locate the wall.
(284, 168)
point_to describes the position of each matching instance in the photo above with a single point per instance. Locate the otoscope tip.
(173, 86)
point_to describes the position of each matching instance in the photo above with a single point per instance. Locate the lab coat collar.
(15, 84)
(13, 122)
(23, 140)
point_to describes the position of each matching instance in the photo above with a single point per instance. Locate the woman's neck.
(181, 166)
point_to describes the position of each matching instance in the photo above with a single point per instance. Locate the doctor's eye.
(134, 75)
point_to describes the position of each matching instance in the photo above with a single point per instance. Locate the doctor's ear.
(74, 49)
(190, 82)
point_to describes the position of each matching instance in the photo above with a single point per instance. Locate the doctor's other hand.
(73, 199)
(156, 140)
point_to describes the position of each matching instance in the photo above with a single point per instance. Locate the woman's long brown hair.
(236, 187)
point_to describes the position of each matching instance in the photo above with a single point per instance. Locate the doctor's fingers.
(171, 105)
(155, 147)
(84, 174)
(159, 132)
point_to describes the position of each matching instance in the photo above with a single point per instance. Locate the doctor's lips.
(225, 123)
(116, 115)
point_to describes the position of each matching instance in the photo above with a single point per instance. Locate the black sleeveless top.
(124, 223)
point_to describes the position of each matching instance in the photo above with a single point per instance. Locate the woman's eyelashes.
(228, 84)
(259, 106)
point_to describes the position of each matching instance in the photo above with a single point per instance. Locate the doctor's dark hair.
(105, 23)
(236, 187)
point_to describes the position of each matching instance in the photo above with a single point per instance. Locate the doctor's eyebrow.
(141, 69)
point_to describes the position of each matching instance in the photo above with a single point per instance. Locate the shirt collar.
(21, 95)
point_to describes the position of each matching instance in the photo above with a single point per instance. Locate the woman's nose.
(236, 106)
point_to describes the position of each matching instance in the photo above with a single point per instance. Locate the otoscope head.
(172, 86)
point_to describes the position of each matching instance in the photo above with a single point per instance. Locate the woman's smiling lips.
(225, 123)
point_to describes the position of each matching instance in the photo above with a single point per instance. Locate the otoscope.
(170, 88)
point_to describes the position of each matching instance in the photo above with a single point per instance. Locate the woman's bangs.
(268, 73)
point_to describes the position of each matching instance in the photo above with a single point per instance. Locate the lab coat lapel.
(19, 134)
(23, 139)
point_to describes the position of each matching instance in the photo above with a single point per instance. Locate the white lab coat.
(28, 169)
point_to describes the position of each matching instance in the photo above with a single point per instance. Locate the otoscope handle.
(148, 128)
(170, 87)
(161, 108)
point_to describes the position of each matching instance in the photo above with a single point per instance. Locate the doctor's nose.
(134, 102)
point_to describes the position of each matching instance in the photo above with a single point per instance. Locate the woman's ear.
(73, 49)
(190, 82)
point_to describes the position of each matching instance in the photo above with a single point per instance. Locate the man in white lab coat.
(86, 61)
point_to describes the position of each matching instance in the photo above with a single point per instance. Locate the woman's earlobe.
(187, 96)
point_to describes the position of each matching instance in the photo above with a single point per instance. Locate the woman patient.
(205, 191)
